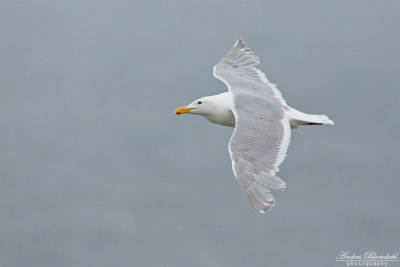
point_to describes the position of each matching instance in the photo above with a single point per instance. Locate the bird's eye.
(199, 102)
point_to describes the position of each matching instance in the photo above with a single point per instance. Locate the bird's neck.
(222, 111)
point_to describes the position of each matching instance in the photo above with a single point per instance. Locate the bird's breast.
(223, 117)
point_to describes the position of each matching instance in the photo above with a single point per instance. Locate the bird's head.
(202, 106)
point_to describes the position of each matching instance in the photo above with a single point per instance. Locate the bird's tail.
(297, 118)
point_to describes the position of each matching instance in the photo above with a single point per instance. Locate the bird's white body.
(218, 109)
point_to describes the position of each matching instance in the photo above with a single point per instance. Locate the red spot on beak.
(178, 113)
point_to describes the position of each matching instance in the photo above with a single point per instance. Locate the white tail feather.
(297, 118)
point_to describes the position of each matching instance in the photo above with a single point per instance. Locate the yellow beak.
(182, 110)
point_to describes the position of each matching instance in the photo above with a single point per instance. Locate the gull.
(261, 119)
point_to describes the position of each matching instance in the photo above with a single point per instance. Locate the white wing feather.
(262, 133)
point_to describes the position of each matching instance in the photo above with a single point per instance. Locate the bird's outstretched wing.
(262, 133)
(237, 70)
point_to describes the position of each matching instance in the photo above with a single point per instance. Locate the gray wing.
(236, 69)
(262, 133)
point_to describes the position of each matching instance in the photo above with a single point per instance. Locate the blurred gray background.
(95, 170)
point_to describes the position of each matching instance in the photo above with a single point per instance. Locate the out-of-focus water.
(95, 170)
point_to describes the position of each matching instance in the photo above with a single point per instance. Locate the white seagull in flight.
(262, 122)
